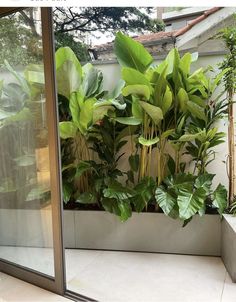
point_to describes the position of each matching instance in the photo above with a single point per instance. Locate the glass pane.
(25, 202)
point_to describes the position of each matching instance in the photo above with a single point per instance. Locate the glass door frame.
(57, 283)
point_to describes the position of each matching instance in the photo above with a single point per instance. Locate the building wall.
(112, 74)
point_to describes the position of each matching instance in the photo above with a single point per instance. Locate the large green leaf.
(67, 190)
(204, 181)
(117, 191)
(111, 206)
(125, 210)
(140, 91)
(137, 110)
(196, 110)
(166, 101)
(132, 77)
(132, 121)
(154, 112)
(86, 198)
(131, 53)
(86, 115)
(148, 142)
(68, 71)
(189, 201)
(82, 167)
(67, 129)
(183, 99)
(167, 201)
(91, 81)
(134, 162)
(144, 193)
(220, 198)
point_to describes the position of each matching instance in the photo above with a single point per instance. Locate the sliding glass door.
(30, 200)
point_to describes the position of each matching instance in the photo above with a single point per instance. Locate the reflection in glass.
(25, 204)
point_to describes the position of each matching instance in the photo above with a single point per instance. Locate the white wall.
(111, 73)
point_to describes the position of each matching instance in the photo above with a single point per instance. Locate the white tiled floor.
(132, 277)
(15, 290)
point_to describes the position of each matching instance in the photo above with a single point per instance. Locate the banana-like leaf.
(86, 115)
(196, 110)
(153, 111)
(166, 101)
(68, 71)
(117, 90)
(137, 110)
(131, 53)
(189, 201)
(140, 91)
(133, 77)
(220, 198)
(117, 191)
(132, 121)
(148, 142)
(92, 81)
(67, 129)
(183, 99)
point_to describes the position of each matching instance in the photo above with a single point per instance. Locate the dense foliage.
(156, 116)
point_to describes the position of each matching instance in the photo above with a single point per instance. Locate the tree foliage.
(105, 19)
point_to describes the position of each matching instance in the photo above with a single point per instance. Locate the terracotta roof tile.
(196, 21)
(164, 35)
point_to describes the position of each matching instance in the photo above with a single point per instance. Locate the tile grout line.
(221, 296)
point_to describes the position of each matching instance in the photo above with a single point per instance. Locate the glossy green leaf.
(183, 99)
(220, 198)
(140, 91)
(148, 142)
(68, 71)
(111, 206)
(189, 201)
(166, 101)
(154, 112)
(131, 53)
(117, 191)
(87, 198)
(137, 110)
(196, 110)
(167, 201)
(133, 77)
(82, 167)
(132, 121)
(67, 129)
(134, 162)
(125, 210)
(204, 181)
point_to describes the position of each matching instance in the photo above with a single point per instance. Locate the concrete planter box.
(229, 244)
(149, 232)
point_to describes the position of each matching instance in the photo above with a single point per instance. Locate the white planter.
(149, 232)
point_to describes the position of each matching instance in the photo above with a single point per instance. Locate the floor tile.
(15, 290)
(229, 292)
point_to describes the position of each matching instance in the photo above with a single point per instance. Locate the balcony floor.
(111, 276)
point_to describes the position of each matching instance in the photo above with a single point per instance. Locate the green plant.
(159, 110)
(165, 99)
(228, 35)
(185, 195)
(83, 104)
